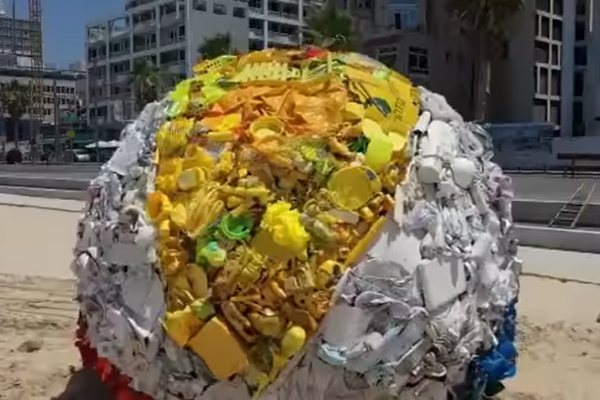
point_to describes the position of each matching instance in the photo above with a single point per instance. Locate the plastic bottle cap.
(352, 187)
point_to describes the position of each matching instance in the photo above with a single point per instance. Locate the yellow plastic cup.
(264, 127)
(351, 188)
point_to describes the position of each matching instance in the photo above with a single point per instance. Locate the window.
(256, 4)
(543, 5)
(579, 30)
(542, 52)
(557, 7)
(555, 83)
(239, 12)
(181, 31)
(219, 9)
(555, 54)
(200, 5)
(543, 89)
(540, 110)
(580, 7)
(581, 55)
(578, 125)
(387, 55)
(556, 30)
(403, 14)
(543, 26)
(578, 83)
(555, 112)
(418, 60)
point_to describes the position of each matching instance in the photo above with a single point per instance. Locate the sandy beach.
(559, 332)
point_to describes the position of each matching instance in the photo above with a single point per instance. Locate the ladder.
(571, 211)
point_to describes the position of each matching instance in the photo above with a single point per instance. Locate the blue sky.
(64, 24)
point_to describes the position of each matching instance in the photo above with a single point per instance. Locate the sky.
(64, 23)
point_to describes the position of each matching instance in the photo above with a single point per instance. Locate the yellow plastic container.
(351, 188)
(379, 152)
(265, 127)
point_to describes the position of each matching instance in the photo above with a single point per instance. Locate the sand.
(559, 340)
(559, 336)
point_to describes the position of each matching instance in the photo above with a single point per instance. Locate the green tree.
(486, 23)
(216, 46)
(14, 99)
(148, 82)
(331, 28)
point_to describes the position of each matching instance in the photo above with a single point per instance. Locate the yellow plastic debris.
(182, 325)
(284, 225)
(221, 351)
(352, 187)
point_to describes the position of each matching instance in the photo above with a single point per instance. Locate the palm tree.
(486, 23)
(330, 27)
(14, 99)
(216, 46)
(148, 82)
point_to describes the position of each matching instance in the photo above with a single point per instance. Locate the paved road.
(534, 187)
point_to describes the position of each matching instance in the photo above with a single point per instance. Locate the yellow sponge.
(222, 352)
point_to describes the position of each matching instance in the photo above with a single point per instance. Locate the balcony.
(144, 47)
(144, 26)
(136, 3)
(256, 33)
(284, 15)
(283, 38)
(255, 10)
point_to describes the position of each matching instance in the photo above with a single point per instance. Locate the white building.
(169, 32)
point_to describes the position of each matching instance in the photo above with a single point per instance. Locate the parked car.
(78, 155)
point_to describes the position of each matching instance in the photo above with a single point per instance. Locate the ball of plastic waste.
(298, 224)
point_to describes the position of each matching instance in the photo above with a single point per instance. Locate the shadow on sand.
(84, 384)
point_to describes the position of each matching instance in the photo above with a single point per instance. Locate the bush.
(14, 156)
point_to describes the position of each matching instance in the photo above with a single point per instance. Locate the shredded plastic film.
(299, 225)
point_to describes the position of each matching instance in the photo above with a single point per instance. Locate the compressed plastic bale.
(268, 230)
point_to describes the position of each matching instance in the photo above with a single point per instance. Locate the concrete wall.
(542, 212)
(512, 86)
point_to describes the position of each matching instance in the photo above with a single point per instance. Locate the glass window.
(219, 9)
(543, 89)
(540, 110)
(578, 125)
(403, 14)
(557, 7)
(555, 83)
(543, 5)
(418, 60)
(578, 83)
(542, 52)
(556, 30)
(555, 112)
(581, 55)
(579, 30)
(200, 5)
(239, 12)
(555, 54)
(580, 7)
(545, 27)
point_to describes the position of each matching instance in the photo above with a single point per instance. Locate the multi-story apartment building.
(420, 40)
(169, 32)
(166, 32)
(551, 71)
(60, 92)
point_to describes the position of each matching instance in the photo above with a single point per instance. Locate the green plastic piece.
(236, 228)
(360, 145)
(203, 309)
(211, 254)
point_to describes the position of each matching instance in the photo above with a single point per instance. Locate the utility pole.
(57, 143)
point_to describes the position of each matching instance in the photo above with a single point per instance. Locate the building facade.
(551, 72)
(169, 33)
(60, 93)
(418, 39)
